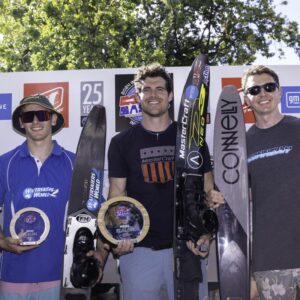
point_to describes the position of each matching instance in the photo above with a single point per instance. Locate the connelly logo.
(40, 192)
(230, 159)
(56, 92)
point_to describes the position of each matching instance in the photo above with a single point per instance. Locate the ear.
(170, 98)
(137, 98)
(53, 119)
(247, 100)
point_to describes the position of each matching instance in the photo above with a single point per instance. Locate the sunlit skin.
(265, 104)
(39, 134)
(155, 100)
(37, 131)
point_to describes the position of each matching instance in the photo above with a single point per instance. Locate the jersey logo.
(40, 192)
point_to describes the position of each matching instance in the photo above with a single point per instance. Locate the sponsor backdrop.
(75, 92)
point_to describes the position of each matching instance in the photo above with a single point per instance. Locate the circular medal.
(123, 218)
(31, 225)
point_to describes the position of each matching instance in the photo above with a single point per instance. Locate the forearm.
(117, 187)
(208, 182)
(103, 251)
(3, 240)
(214, 198)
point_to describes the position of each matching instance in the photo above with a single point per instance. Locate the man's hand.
(124, 247)
(202, 246)
(13, 245)
(214, 198)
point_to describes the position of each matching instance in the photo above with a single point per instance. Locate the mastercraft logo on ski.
(290, 99)
(184, 124)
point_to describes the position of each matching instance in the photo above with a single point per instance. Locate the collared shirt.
(23, 185)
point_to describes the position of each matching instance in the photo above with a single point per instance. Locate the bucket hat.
(42, 101)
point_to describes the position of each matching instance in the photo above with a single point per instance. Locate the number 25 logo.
(93, 93)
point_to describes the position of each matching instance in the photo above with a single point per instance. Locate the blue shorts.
(203, 286)
(148, 274)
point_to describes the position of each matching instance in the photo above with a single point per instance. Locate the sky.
(292, 11)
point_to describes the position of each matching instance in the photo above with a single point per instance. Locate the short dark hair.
(258, 70)
(152, 70)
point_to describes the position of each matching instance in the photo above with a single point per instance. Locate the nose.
(152, 92)
(262, 91)
(35, 119)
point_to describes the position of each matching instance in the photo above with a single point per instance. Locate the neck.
(156, 124)
(40, 149)
(267, 121)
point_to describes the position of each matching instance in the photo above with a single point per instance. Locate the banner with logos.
(75, 92)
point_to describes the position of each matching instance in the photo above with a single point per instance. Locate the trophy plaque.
(123, 218)
(30, 225)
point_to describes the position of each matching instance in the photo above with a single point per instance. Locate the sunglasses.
(42, 115)
(256, 89)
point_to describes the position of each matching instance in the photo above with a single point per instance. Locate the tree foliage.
(78, 34)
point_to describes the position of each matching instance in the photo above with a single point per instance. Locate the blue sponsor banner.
(290, 99)
(5, 106)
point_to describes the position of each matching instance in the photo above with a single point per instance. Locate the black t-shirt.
(274, 161)
(146, 159)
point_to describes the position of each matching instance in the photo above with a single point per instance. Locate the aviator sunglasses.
(256, 89)
(42, 115)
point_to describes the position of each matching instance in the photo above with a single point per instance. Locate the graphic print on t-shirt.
(280, 150)
(158, 164)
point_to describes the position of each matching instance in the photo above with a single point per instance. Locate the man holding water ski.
(146, 268)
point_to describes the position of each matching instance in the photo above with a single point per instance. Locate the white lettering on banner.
(295, 100)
